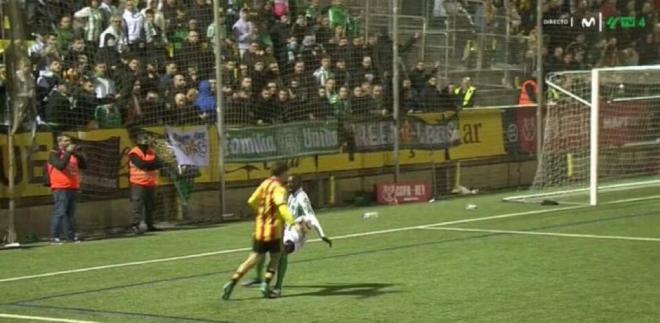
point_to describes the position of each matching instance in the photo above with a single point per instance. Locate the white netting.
(629, 140)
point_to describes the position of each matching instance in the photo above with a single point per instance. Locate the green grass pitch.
(484, 265)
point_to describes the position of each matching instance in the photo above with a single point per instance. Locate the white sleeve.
(82, 13)
(309, 214)
(316, 224)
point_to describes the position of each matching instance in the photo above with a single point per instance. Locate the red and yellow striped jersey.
(269, 202)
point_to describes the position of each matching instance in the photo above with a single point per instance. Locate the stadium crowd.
(107, 63)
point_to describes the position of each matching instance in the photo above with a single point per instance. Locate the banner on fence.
(190, 147)
(282, 141)
(389, 193)
(433, 131)
(101, 177)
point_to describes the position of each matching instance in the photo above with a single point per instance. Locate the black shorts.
(273, 246)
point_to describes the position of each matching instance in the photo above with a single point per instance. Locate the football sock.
(281, 271)
(259, 270)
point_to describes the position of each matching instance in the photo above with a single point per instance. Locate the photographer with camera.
(64, 165)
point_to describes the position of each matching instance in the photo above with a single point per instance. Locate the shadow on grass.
(359, 290)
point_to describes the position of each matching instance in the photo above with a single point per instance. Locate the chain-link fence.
(313, 83)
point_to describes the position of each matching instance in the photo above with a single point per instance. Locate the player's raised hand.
(328, 241)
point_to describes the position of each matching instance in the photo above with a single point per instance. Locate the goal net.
(601, 137)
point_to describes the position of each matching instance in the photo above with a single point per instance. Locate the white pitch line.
(221, 252)
(42, 318)
(551, 234)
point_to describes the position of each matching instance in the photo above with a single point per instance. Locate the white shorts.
(298, 239)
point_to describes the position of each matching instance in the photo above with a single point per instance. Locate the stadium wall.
(102, 218)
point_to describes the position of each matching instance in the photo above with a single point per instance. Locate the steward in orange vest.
(143, 175)
(528, 92)
(64, 165)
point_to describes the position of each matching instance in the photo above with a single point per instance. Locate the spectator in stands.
(380, 104)
(206, 101)
(110, 52)
(567, 62)
(300, 28)
(528, 91)
(244, 34)
(342, 75)
(133, 112)
(252, 55)
(342, 107)
(273, 75)
(64, 167)
(340, 49)
(323, 73)
(64, 34)
(75, 50)
(58, 112)
(305, 80)
(143, 175)
(419, 76)
(323, 31)
(150, 80)
(313, 11)
(103, 85)
(169, 10)
(153, 110)
(408, 97)
(356, 52)
(166, 80)
(264, 107)
(192, 76)
(134, 21)
(116, 30)
(48, 79)
(320, 106)
(579, 45)
(466, 93)
(280, 33)
(193, 50)
(258, 75)
(179, 85)
(158, 16)
(280, 8)
(359, 102)
(431, 96)
(230, 74)
(86, 103)
(108, 9)
(385, 54)
(367, 72)
(246, 86)
(93, 25)
(648, 50)
(182, 113)
(611, 55)
(284, 107)
(202, 11)
(240, 108)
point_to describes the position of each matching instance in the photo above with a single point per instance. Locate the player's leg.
(258, 252)
(271, 270)
(274, 249)
(282, 267)
(258, 274)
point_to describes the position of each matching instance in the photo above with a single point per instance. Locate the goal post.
(602, 137)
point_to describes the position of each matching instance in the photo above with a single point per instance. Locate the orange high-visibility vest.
(67, 179)
(524, 99)
(142, 177)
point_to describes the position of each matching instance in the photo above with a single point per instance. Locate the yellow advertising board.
(481, 136)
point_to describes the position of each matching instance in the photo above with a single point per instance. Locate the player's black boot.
(228, 289)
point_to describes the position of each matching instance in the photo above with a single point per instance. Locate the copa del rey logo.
(390, 193)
